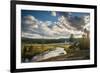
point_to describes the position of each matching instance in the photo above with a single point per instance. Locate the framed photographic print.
(52, 36)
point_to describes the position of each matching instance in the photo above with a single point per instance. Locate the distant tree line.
(45, 41)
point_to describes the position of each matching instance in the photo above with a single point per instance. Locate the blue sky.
(40, 15)
(47, 16)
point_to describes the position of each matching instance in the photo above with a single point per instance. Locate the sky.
(47, 15)
(51, 24)
(40, 15)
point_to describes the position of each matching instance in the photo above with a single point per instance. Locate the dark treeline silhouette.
(45, 41)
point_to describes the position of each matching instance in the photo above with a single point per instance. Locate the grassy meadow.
(33, 47)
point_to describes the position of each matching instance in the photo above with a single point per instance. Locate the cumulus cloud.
(53, 13)
(34, 28)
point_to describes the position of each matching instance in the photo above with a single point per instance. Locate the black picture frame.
(13, 36)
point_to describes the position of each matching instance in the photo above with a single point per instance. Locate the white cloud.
(53, 13)
(30, 35)
(33, 28)
(65, 23)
